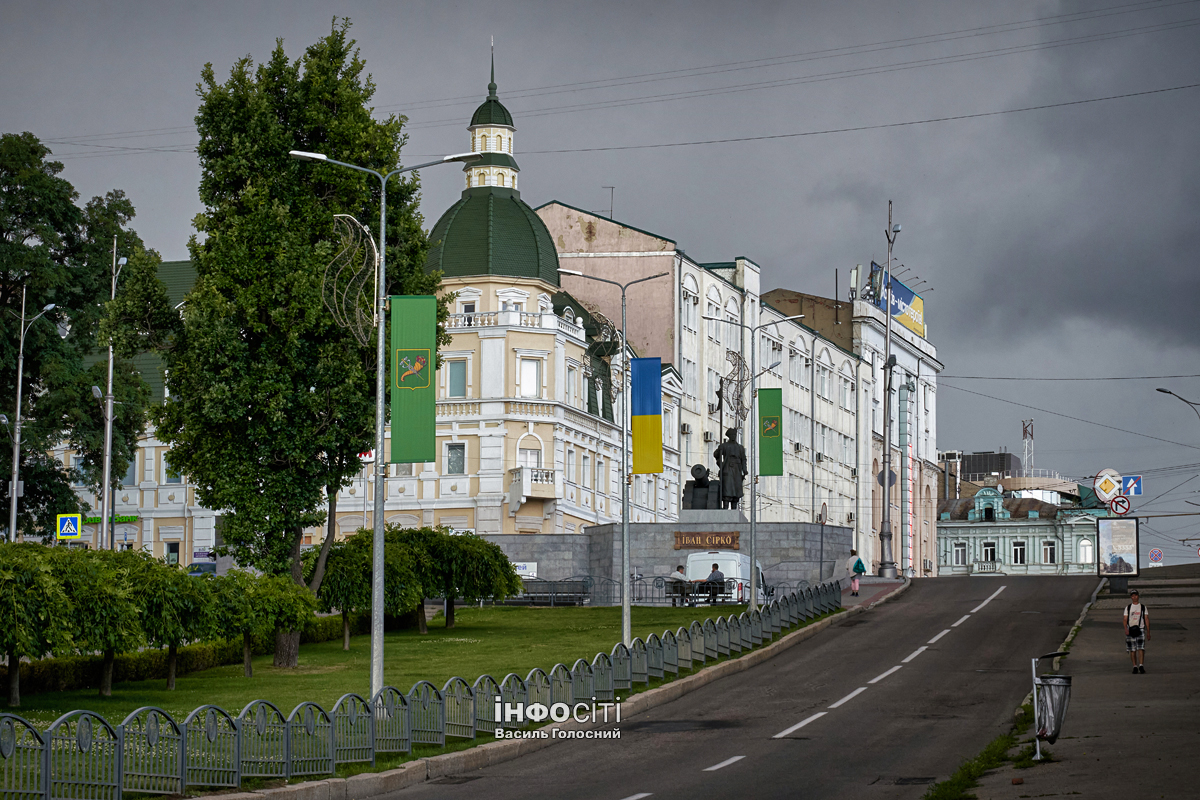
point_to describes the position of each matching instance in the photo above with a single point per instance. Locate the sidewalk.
(1125, 735)
(868, 592)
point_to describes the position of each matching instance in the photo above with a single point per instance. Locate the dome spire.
(492, 85)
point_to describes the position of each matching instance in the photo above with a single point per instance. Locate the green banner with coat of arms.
(770, 430)
(414, 395)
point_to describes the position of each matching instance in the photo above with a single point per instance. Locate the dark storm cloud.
(1057, 242)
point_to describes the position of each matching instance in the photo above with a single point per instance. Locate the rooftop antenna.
(612, 190)
(1027, 443)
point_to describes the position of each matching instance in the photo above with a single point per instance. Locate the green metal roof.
(491, 231)
(494, 160)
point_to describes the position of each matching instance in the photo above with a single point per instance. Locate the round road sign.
(1119, 505)
(1155, 555)
(1107, 485)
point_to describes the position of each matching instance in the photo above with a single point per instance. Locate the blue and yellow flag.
(646, 397)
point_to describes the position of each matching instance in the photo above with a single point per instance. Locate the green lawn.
(495, 640)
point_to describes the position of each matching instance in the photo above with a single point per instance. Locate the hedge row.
(83, 672)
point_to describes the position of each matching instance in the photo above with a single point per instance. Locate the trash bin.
(1054, 693)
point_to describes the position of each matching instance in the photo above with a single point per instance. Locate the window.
(1018, 552)
(130, 478)
(531, 377)
(1048, 553)
(714, 383)
(468, 308)
(691, 385)
(668, 426)
(456, 458)
(714, 324)
(795, 368)
(960, 554)
(171, 475)
(570, 466)
(172, 552)
(690, 304)
(457, 378)
(989, 551)
(1086, 554)
(587, 472)
(502, 179)
(529, 458)
(572, 392)
(846, 398)
(823, 381)
(989, 514)
(600, 474)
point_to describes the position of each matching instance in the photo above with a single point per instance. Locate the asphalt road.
(876, 707)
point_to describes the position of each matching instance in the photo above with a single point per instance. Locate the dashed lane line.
(724, 764)
(965, 617)
(792, 729)
(849, 697)
(940, 635)
(915, 653)
(990, 599)
(637, 796)
(878, 678)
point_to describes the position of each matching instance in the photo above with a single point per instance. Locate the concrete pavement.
(1125, 736)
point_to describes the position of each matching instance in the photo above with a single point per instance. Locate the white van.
(734, 565)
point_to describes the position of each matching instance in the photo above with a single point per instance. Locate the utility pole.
(887, 564)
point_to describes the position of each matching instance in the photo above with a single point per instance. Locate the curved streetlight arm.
(1194, 406)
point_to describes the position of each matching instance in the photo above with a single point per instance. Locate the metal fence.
(82, 757)
(588, 590)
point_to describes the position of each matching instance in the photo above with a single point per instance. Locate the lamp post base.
(888, 571)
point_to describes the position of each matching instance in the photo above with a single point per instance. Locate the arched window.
(1087, 554)
(502, 179)
(510, 143)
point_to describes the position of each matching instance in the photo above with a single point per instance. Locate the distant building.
(990, 533)
(860, 327)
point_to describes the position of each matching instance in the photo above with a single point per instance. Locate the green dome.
(492, 112)
(491, 231)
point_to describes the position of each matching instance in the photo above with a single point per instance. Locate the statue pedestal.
(716, 516)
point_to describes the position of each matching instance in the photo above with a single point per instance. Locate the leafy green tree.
(107, 618)
(33, 611)
(57, 252)
(346, 586)
(472, 568)
(175, 607)
(257, 604)
(272, 401)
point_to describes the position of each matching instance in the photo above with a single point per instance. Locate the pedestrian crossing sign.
(70, 526)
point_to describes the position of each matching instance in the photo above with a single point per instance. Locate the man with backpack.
(1137, 631)
(856, 569)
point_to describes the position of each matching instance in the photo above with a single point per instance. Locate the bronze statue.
(731, 461)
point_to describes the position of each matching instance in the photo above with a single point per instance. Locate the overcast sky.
(1059, 242)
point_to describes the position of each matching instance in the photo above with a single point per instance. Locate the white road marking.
(940, 635)
(849, 697)
(724, 763)
(782, 734)
(915, 653)
(878, 678)
(990, 599)
(637, 796)
(965, 617)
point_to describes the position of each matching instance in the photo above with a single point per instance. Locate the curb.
(374, 784)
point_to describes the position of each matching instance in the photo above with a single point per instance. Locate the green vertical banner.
(414, 398)
(770, 430)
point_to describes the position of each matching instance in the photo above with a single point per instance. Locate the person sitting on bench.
(715, 582)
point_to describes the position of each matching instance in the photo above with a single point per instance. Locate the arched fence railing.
(80, 756)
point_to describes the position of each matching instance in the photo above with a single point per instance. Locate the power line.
(1068, 416)
(1023, 378)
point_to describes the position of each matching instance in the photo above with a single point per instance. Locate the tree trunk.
(247, 664)
(345, 630)
(422, 625)
(287, 649)
(331, 493)
(172, 662)
(450, 612)
(106, 673)
(14, 679)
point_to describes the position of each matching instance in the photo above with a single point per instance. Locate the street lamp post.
(887, 565)
(380, 361)
(108, 531)
(753, 431)
(14, 489)
(626, 611)
(1195, 406)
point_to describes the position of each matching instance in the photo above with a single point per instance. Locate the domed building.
(527, 441)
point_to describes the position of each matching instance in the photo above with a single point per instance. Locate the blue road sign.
(1131, 485)
(70, 526)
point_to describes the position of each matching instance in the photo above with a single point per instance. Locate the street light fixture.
(887, 564)
(1195, 406)
(626, 608)
(377, 549)
(15, 488)
(753, 431)
(108, 532)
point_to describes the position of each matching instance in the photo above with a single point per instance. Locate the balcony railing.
(533, 482)
(520, 319)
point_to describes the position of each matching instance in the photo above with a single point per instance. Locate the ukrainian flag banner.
(646, 374)
(413, 357)
(770, 428)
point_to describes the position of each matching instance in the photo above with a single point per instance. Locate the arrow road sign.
(1131, 485)
(1119, 505)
